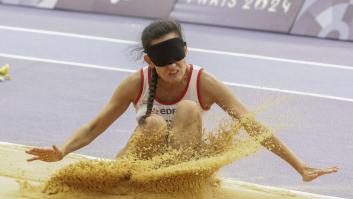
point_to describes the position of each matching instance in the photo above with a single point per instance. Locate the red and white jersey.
(167, 109)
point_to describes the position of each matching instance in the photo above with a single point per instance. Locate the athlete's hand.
(45, 154)
(310, 174)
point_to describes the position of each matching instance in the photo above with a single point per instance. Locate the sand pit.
(144, 172)
(14, 168)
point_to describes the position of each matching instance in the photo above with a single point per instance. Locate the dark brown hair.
(155, 30)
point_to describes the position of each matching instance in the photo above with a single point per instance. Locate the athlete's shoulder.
(207, 88)
(129, 87)
(134, 78)
(207, 78)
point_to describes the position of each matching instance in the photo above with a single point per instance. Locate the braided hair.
(155, 30)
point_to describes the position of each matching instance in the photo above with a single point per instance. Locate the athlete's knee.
(153, 123)
(187, 113)
(188, 107)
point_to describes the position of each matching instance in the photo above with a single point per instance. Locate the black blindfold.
(167, 52)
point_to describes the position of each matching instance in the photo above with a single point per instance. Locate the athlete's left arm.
(214, 91)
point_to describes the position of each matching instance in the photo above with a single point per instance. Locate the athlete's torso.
(167, 109)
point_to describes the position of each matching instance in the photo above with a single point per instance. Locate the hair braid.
(151, 95)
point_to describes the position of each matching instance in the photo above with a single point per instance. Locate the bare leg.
(152, 124)
(187, 125)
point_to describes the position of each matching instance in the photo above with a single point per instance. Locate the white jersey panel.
(164, 109)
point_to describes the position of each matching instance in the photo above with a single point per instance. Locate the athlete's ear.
(148, 60)
(186, 48)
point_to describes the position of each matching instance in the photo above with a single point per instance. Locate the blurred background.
(290, 60)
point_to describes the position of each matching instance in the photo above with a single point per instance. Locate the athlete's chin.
(174, 79)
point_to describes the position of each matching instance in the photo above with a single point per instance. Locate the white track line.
(226, 180)
(77, 64)
(290, 92)
(64, 34)
(52, 61)
(268, 58)
(121, 41)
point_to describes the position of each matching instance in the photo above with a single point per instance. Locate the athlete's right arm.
(125, 94)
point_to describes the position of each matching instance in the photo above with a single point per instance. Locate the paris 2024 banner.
(269, 15)
(320, 18)
(326, 18)
(136, 8)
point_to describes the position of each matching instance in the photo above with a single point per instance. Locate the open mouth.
(173, 73)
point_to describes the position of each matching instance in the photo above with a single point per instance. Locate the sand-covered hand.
(45, 154)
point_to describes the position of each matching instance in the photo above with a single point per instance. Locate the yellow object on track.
(4, 70)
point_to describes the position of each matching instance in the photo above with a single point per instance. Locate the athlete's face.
(171, 73)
